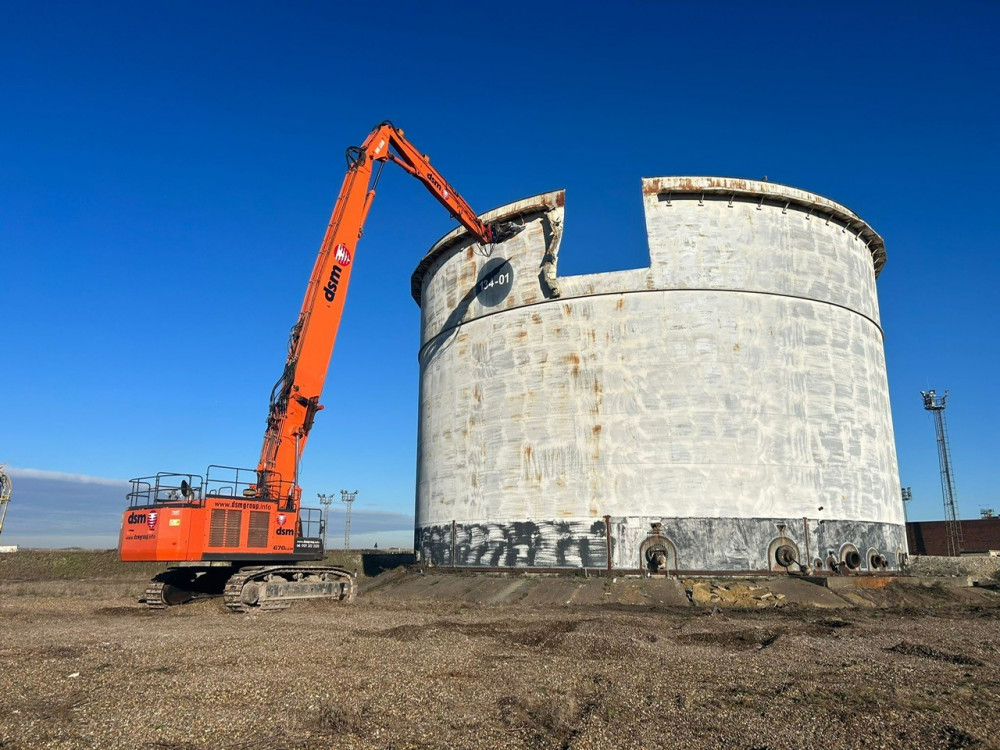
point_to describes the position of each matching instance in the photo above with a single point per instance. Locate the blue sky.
(167, 171)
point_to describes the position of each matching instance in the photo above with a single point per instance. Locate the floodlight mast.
(6, 488)
(325, 501)
(907, 495)
(348, 498)
(953, 527)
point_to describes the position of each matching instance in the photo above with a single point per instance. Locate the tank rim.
(769, 193)
(773, 194)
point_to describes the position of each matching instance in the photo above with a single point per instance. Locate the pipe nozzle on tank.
(785, 556)
(656, 557)
(852, 559)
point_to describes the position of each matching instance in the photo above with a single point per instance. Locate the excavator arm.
(295, 398)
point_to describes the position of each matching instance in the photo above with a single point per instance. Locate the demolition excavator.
(243, 533)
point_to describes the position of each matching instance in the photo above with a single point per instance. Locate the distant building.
(979, 536)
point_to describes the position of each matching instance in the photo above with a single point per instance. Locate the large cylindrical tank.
(724, 409)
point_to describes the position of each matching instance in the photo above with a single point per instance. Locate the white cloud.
(61, 476)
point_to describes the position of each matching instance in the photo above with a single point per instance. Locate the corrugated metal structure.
(724, 409)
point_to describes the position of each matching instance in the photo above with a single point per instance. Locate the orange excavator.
(243, 533)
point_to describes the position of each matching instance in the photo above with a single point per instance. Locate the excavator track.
(171, 587)
(184, 584)
(153, 597)
(271, 587)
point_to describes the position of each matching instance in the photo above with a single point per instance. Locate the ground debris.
(733, 594)
(916, 649)
(399, 671)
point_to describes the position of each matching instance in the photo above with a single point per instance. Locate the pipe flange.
(785, 555)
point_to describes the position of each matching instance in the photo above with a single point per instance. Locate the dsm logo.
(342, 255)
(147, 518)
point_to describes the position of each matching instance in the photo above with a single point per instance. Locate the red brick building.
(931, 537)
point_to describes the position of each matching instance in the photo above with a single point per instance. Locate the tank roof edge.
(524, 207)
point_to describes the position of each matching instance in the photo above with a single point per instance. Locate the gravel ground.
(85, 666)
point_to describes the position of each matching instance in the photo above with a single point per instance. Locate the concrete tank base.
(694, 545)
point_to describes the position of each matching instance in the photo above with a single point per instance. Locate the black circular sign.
(495, 282)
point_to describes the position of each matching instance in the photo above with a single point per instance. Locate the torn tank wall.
(733, 393)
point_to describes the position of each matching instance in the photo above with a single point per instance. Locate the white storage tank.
(724, 409)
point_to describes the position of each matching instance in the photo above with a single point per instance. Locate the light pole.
(325, 501)
(5, 491)
(348, 498)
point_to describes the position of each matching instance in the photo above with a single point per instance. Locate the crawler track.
(175, 586)
(267, 588)
(251, 589)
(154, 595)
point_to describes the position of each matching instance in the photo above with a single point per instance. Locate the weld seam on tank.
(490, 314)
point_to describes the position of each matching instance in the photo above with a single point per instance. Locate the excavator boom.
(295, 399)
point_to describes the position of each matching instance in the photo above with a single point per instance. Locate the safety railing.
(166, 488)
